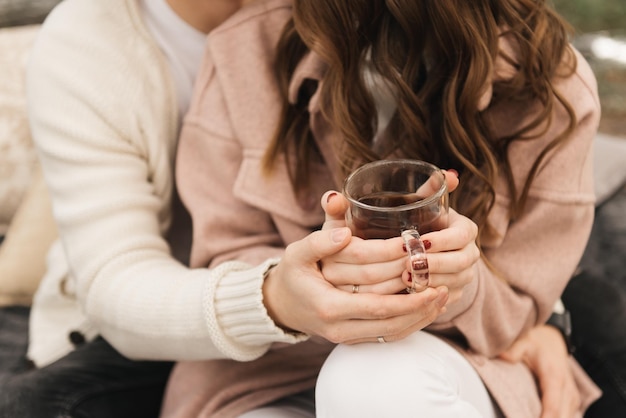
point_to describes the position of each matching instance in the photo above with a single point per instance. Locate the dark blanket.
(596, 299)
(605, 256)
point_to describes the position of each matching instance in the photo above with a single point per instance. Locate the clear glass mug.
(389, 198)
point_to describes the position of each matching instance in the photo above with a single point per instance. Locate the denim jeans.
(93, 381)
(596, 299)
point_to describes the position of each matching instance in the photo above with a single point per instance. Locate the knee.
(374, 379)
(350, 378)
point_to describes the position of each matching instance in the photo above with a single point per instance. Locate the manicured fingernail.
(330, 196)
(427, 244)
(404, 247)
(339, 234)
(410, 278)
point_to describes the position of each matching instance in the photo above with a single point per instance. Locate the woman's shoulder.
(580, 88)
(575, 115)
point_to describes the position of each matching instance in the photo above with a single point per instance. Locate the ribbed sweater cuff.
(234, 303)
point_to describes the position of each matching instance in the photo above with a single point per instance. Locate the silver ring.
(381, 340)
(355, 288)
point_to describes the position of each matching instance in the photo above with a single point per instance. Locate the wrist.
(236, 310)
(562, 321)
(271, 293)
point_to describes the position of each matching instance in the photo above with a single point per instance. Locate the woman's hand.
(373, 266)
(298, 297)
(376, 265)
(452, 253)
(367, 266)
(544, 351)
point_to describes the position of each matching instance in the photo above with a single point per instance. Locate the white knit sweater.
(104, 119)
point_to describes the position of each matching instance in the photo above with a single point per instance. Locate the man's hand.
(544, 351)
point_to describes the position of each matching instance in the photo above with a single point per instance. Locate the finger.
(388, 287)
(318, 244)
(557, 397)
(553, 396)
(395, 328)
(371, 306)
(367, 274)
(343, 274)
(460, 231)
(550, 383)
(550, 380)
(429, 187)
(335, 206)
(370, 251)
(551, 405)
(452, 179)
(433, 184)
(559, 393)
(453, 261)
(457, 281)
(571, 403)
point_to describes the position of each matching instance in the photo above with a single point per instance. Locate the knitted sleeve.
(103, 120)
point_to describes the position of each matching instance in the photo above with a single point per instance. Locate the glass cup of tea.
(391, 198)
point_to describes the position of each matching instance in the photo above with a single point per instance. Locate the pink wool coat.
(238, 213)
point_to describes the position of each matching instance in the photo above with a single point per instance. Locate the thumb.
(318, 245)
(452, 179)
(335, 205)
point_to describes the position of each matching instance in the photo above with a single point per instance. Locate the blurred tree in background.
(593, 15)
(595, 20)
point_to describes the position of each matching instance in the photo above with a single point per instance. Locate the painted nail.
(427, 244)
(404, 247)
(410, 279)
(330, 196)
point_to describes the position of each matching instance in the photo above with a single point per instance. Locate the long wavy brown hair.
(437, 56)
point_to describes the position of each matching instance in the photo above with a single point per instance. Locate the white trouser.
(301, 405)
(420, 376)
